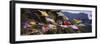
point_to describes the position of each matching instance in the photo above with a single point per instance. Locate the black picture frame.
(12, 21)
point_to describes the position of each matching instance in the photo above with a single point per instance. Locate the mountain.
(76, 15)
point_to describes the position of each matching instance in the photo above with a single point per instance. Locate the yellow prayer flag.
(44, 13)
